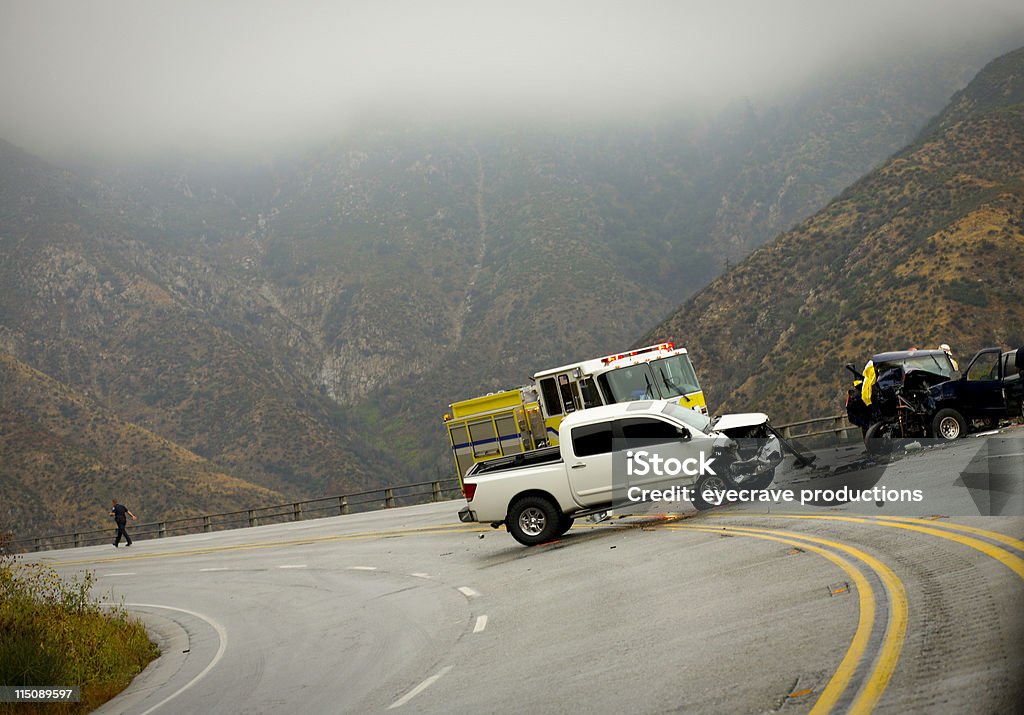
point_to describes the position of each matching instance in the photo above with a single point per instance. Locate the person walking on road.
(120, 513)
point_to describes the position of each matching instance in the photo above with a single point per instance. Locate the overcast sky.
(146, 75)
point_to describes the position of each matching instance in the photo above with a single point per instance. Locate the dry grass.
(53, 632)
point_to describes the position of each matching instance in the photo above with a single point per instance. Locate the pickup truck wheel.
(949, 424)
(709, 482)
(533, 520)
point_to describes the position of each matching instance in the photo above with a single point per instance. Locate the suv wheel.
(949, 424)
(878, 439)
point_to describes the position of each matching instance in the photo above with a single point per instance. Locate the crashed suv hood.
(745, 419)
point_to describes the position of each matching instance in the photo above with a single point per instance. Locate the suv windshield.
(691, 418)
(938, 364)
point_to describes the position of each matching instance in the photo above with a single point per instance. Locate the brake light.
(469, 491)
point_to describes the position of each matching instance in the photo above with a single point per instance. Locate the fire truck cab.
(655, 372)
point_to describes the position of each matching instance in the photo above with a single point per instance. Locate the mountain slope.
(164, 339)
(64, 458)
(928, 249)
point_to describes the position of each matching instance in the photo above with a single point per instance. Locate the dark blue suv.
(918, 393)
(991, 389)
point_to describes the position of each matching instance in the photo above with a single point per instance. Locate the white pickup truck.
(616, 455)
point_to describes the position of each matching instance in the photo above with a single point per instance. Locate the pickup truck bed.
(547, 455)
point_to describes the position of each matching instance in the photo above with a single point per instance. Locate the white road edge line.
(222, 634)
(468, 592)
(123, 573)
(420, 575)
(362, 568)
(420, 688)
(292, 566)
(216, 568)
(481, 623)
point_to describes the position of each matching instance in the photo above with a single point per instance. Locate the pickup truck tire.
(711, 482)
(949, 424)
(533, 520)
(565, 523)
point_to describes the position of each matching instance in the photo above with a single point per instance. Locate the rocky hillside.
(425, 267)
(928, 249)
(163, 340)
(65, 458)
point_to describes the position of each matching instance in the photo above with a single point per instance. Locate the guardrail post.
(296, 511)
(252, 518)
(787, 432)
(343, 505)
(161, 529)
(78, 539)
(435, 491)
(36, 543)
(207, 526)
(389, 498)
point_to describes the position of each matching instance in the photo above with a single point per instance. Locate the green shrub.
(54, 632)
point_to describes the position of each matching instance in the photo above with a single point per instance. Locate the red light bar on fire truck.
(660, 346)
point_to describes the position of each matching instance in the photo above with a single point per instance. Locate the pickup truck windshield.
(659, 379)
(690, 418)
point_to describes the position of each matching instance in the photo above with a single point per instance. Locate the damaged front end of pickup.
(752, 449)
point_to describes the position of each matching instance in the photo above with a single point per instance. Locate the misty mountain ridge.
(302, 325)
(928, 249)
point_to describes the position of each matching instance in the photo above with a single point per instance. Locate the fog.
(127, 77)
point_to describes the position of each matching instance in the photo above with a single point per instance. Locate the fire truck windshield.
(675, 376)
(664, 378)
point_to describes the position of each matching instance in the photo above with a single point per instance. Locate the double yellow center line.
(896, 628)
(1005, 549)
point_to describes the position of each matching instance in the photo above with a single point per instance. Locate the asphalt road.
(748, 608)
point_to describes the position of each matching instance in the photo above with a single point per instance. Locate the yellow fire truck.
(527, 418)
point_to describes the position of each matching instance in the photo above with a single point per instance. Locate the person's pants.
(121, 532)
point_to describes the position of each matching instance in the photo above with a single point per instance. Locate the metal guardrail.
(838, 426)
(369, 500)
(354, 502)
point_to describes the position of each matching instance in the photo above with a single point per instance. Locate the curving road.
(748, 608)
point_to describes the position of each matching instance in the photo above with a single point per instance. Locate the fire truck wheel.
(533, 520)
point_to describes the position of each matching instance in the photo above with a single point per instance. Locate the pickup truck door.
(667, 440)
(982, 387)
(588, 461)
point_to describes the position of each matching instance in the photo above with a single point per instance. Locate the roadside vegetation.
(54, 632)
